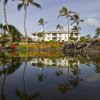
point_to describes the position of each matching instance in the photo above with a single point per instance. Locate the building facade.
(54, 35)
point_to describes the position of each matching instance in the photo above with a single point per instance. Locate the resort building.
(54, 35)
(61, 62)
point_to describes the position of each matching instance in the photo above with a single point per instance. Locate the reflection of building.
(54, 35)
(61, 62)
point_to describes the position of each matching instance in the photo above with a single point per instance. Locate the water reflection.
(46, 77)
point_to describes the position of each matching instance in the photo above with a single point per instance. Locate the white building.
(61, 62)
(54, 35)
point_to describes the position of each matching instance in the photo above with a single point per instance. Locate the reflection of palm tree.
(40, 77)
(58, 73)
(40, 65)
(63, 88)
(23, 95)
(13, 64)
(73, 80)
(2, 97)
(97, 68)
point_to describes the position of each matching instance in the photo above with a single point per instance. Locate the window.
(34, 39)
(34, 34)
(54, 34)
(54, 38)
(48, 38)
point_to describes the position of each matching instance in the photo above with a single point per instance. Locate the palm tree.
(67, 13)
(76, 20)
(75, 30)
(42, 22)
(5, 17)
(3, 29)
(26, 3)
(60, 28)
(97, 32)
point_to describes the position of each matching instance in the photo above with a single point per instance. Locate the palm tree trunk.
(26, 37)
(5, 17)
(68, 27)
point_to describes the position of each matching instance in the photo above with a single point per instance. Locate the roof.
(50, 32)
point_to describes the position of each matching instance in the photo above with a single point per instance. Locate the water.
(49, 76)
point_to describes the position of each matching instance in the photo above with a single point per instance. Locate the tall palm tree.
(67, 13)
(76, 20)
(75, 30)
(97, 32)
(42, 22)
(25, 4)
(5, 18)
(60, 28)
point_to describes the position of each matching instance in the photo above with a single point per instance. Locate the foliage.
(86, 38)
(97, 34)
(59, 27)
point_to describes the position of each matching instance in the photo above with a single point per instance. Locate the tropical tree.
(16, 35)
(3, 37)
(75, 31)
(59, 27)
(5, 18)
(97, 32)
(76, 20)
(42, 22)
(13, 31)
(25, 4)
(67, 13)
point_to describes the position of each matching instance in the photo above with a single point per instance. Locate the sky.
(89, 11)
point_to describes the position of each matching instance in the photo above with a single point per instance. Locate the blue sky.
(89, 11)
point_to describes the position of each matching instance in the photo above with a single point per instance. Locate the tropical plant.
(25, 4)
(5, 18)
(3, 38)
(59, 27)
(75, 31)
(40, 34)
(97, 32)
(42, 22)
(13, 31)
(76, 20)
(67, 13)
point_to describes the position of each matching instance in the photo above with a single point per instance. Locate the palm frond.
(20, 5)
(6, 1)
(36, 4)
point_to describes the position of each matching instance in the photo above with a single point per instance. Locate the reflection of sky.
(89, 10)
(48, 87)
(89, 74)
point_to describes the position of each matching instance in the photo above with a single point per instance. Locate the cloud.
(92, 22)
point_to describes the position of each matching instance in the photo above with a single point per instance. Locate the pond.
(49, 76)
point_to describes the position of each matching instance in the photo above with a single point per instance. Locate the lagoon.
(49, 76)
